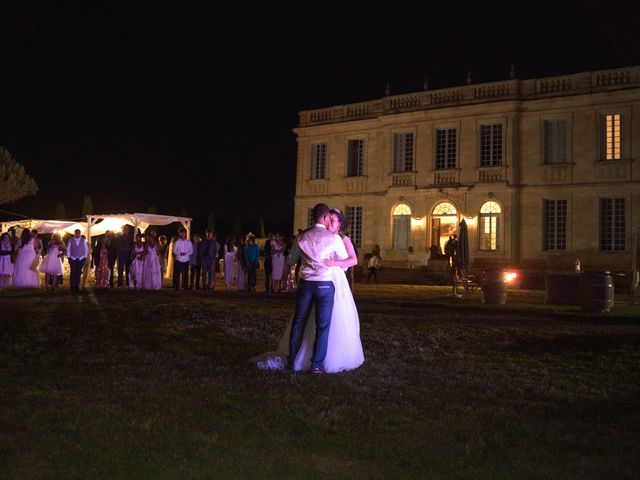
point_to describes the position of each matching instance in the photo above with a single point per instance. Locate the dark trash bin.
(562, 288)
(596, 292)
(494, 287)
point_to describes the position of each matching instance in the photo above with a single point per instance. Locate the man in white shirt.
(77, 253)
(315, 285)
(182, 251)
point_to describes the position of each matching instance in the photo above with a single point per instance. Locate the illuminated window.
(403, 152)
(611, 126)
(555, 141)
(318, 161)
(401, 226)
(490, 145)
(354, 219)
(489, 226)
(554, 224)
(445, 208)
(612, 224)
(446, 148)
(355, 158)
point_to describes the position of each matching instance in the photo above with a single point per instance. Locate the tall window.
(612, 224)
(318, 160)
(354, 219)
(310, 220)
(490, 145)
(355, 158)
(446, 148)
(403, 152)
(489, 232)
(554, 224)
(611, 140)
(555, 141)
(401, 226)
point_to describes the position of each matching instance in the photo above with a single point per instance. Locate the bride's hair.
(338, 213)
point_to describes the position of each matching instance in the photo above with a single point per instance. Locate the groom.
(312, 247)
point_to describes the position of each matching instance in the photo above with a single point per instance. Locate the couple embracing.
(324, 332)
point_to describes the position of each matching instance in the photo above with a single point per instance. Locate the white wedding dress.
(344, 350)
(25, 273)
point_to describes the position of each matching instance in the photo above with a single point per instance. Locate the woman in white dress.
(229, 254)
(344, 350)
(25, 273)
(6, 267)
(152, 276)
(277, 260)
(51, 265)
(136, 271)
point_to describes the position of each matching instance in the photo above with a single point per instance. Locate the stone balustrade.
(578, 83)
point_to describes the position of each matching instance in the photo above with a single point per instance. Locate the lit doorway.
(444, 224)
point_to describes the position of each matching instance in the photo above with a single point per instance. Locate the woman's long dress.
(277, 259)
(25, 270)
(6, 267)
(152, 276)
(228, 265)
(136, 271)
(102, 269)
(344, 350)
(52, 263)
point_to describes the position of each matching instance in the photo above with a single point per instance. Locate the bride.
(344, 351)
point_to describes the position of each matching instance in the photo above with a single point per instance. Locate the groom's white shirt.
(313, 246)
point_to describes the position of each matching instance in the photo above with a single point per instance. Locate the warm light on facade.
(418, 223)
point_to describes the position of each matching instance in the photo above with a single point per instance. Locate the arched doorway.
(444, 223)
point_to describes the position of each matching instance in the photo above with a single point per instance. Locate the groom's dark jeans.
(322, 294)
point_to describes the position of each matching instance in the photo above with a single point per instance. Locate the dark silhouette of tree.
(61, 212)
(14, 181)
(87, 206)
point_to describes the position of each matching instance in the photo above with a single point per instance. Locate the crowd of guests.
(144, 261)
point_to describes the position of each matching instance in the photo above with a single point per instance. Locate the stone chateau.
(544, 171)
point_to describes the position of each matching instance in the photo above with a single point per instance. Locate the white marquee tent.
(98, 225)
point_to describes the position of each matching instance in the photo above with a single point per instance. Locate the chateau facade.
(543, 170)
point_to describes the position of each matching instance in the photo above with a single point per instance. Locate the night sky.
(181, 108)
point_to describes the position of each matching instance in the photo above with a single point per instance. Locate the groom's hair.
(320, 211)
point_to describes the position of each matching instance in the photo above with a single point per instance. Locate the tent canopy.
(97, 224)
(46, 226)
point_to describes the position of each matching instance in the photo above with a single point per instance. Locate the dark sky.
(187, 108)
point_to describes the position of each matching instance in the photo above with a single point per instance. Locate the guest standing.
(100, 260)
(166, 259)
(112, 254)
(77, 253)
(229, 250)
(6, 267)
(182, 251)
(152, 274)
(124, 245)
(209, 258)
(277, 255)
(136, 273)
(252, 258)
(195, 262)
(268, 266)
(51, 266)
(25, 274)
(241, 271)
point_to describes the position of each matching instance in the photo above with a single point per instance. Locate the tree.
(152, 209)
(87, 206)
(14, 181)
(61, 212)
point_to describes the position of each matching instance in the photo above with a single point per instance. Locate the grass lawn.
(157, 385)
